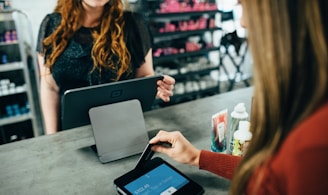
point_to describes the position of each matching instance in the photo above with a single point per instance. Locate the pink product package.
(219, 131)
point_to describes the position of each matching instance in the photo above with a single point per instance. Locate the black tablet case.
(77, 102)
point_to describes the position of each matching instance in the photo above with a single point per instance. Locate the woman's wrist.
(196, 157)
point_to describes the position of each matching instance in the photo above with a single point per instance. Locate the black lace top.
(72, 68)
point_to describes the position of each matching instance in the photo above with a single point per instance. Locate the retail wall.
(36, 10)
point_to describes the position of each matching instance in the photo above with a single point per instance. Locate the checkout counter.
(64, 163)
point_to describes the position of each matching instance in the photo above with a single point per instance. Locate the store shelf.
(180, 98)
(9, 43)
(19, 104)
(182, 42)
(183, 55)
(179, 14)
(185, 33)
(195, 93)
(15, 119)
(15, 92)
(198, 72)
(11, 66)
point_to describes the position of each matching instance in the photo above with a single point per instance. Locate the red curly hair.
(109, 43)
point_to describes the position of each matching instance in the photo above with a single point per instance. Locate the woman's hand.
(165, 87)
(181, 150)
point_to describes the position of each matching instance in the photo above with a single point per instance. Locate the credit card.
(147, 154)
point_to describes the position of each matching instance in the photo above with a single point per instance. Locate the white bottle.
(242, 138)
(239, 114)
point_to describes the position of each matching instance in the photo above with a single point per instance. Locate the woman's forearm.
(50, 109)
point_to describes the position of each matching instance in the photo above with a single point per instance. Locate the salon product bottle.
(238, 114)
(241, 139)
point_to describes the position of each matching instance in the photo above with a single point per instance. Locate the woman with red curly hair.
(90, 42)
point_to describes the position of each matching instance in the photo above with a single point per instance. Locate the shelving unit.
(182, 44)
(20, 115)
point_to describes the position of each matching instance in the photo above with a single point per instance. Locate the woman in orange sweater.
(288, 153)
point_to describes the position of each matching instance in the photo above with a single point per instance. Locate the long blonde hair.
(109, 43)
(289, 46)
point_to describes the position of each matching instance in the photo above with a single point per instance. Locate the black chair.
(237, 58)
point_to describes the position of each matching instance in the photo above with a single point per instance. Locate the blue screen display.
(162, 180)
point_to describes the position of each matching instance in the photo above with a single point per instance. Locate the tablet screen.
(161, 180)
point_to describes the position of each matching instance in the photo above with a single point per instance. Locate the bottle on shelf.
(3, 57)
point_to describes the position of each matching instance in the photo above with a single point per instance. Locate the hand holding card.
(155, 176)
(147, 154)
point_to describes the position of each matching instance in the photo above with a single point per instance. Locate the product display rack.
(20, 115)
(182, 43)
